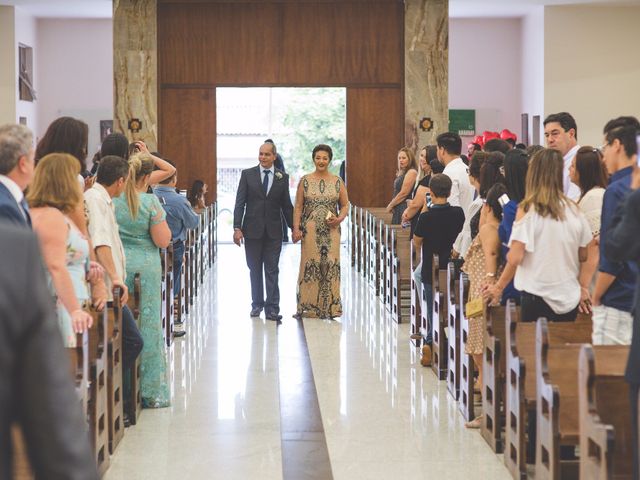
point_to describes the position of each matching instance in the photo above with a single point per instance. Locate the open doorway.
(296, 119)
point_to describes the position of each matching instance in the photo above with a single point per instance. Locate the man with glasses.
(616, 281)
(561, 134)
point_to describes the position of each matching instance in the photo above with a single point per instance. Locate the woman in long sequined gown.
(316, 221)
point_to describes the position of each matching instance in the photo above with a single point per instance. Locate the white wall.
(26, 34)
(75, 65)
(485, 70)
(592, 65)
(532, 60)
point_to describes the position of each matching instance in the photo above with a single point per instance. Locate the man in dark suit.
(36, 389)
(261, 200)
(16, 172)
(622, 244)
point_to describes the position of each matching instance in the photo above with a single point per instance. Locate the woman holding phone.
(316, 221)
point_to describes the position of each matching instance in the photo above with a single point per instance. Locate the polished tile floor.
(384, 416)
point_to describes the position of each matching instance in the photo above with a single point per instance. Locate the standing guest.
(588, 172)
(115, 144)
(482, 264)
(16, 172)
(561, 133)
(110, 182)
(279, 164)
(263, 194)
(197, 196)
(622, 245)
(53, 194)
(497, 145)
(449, 146)
(616, 281)
(180, 218)
(516, 162)
(406, 176)
(475, 169)
(473, 148)
(143, 231)
(37, 391)
(316, 221)
(548, 244)
(435, 233)
(419, 195)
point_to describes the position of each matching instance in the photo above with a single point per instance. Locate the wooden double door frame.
(354, 44)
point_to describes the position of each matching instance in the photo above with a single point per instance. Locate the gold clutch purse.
(474, 308)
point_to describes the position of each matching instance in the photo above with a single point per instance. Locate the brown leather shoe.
(425, 361)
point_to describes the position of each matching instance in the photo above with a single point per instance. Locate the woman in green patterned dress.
(143, 231)
(316, 221)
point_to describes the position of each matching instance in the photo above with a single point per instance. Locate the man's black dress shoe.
(179, 333)
(255, 312)
(273, 316)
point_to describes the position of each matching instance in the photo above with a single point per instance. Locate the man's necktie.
(25, 209)
(265, 181)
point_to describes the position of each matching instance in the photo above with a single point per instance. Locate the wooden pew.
(557, 415)
(416, 294)
(605, 420)
(467, 365)
(520, 407)
(186, 272)
(135, 399)
(493, 372)
(452, 297)
(98, 410)
(389, 251)
(382, 262)
(352, 233)
(357, 238)
(168, 293)
(114, 371)
(400, 274)
(180, 300)
(79, 366)
(362, 242)
(377, 216)
(439, 317)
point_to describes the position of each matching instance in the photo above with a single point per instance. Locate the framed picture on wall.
(106, 128)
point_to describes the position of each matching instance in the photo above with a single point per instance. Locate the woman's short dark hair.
(591, 170)
(491, 173)
(475, 165)
(196, 192)
(516, 162)
(65, 135)
(322, 148)
(436, 166)
(115, 144)
(432, 153)
(440, 185)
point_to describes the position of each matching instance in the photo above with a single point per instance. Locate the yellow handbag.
(474, 308)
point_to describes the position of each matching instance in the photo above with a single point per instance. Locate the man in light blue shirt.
(180, 218)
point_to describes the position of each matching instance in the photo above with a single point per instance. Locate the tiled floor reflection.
(384, 416)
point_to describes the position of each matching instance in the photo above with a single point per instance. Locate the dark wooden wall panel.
(374, 136)
(341, 43)
(187, 134)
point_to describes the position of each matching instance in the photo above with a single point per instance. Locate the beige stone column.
(8, 73)
(426, 79)
(135, 69)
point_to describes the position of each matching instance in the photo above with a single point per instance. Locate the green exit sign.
(462, 122)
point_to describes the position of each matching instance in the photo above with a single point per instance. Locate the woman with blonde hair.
(53, 195)
(548, 245)
(143, 231)
(403, 185)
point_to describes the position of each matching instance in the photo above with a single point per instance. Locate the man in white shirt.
(449, 148)
(105, 235)
(16, 172)
(561, 133)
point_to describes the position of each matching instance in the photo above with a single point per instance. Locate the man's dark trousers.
(263, 256)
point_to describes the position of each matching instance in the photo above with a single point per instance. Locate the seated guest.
(143, 231)
(53, 194)
(110, 182)
(406, 176)
(548, 244)
(435, 233)
(180, 218)
(615, 281)
(482, 264)
(197, 196)
(588, 172)
(16, 173)
(36, 391)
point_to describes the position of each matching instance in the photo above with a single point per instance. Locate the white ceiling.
(457, 8)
